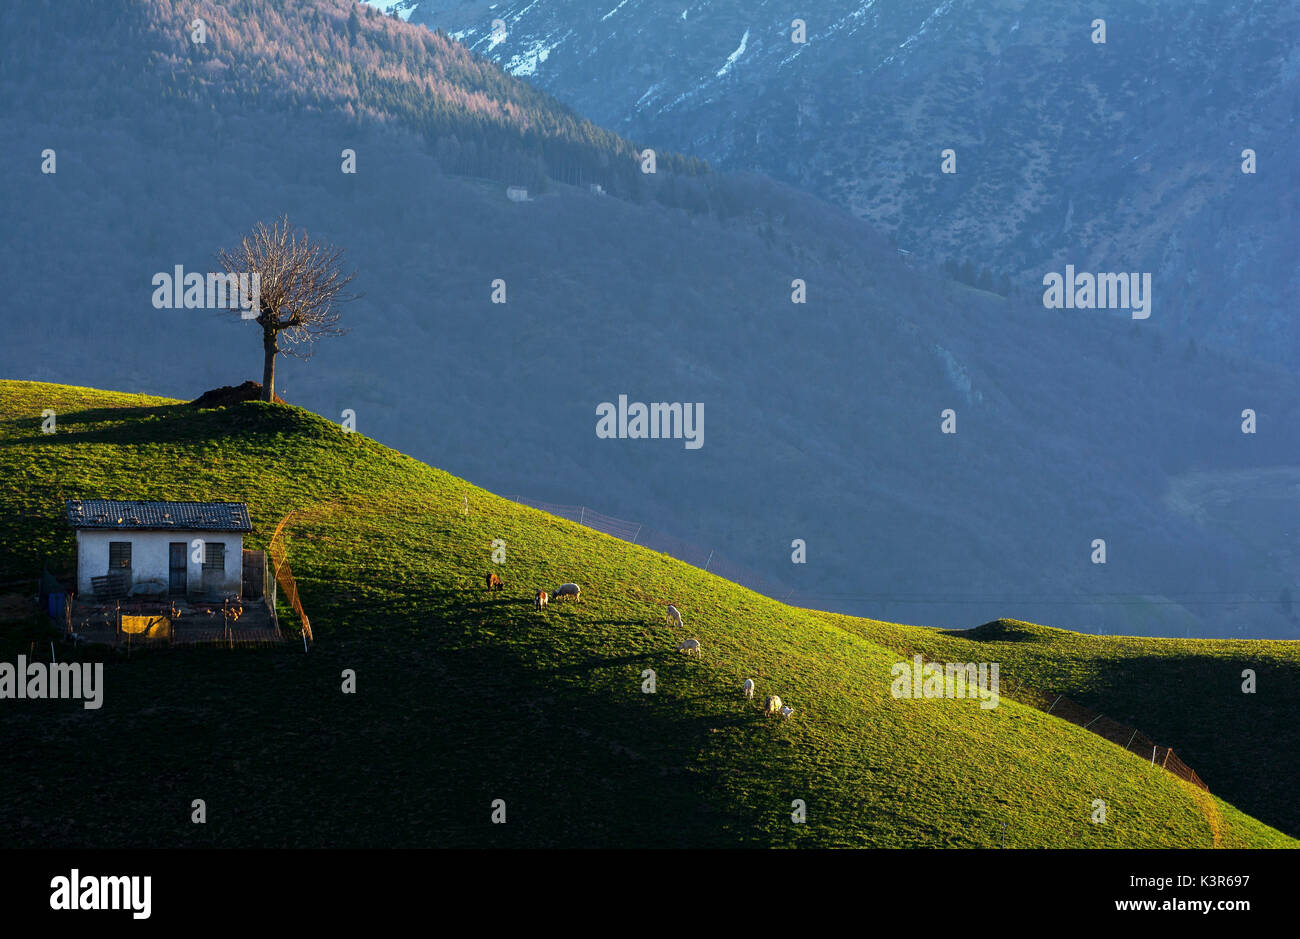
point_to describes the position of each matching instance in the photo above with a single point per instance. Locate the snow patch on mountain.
(957, 376)
(648, 92)
(402, 8)
(849, 22)
(731, 59)
(526, 62)
(621, 4)
(925, 25)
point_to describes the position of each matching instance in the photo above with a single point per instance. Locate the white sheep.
(786, 712)
(690, 646)
(774, 704)
(748, 688)
(567, 590)
(674, 616)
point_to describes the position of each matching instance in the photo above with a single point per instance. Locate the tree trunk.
(268, 368)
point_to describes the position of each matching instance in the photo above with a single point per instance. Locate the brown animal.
(494, 582)
(542, 598)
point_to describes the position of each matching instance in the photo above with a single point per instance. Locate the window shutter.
(119, 555)
(214, 556)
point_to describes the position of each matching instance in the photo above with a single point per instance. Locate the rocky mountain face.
(1122, 155)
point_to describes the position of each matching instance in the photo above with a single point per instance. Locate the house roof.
(187, 516)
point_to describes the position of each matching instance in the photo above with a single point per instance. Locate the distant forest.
(334, 57)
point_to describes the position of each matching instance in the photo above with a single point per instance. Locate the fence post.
(709, 561)
(582, 515)
(637, 535)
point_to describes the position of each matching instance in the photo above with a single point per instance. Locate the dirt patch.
(227, 395)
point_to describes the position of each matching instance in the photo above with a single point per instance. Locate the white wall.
(150, 554)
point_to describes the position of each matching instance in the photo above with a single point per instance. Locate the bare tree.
(301, 283)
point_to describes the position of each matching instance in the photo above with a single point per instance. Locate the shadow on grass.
(1245, 753)
(168, 423)
(594, 662)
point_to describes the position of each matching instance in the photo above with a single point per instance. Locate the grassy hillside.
(465, 697)
(1186, 693)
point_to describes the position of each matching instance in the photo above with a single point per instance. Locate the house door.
(176, 569)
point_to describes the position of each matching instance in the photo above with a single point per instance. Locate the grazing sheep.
(542, 597)
(748, 688)
(567, 590)
(493, 581)
(786, 712)
(774, 704)
(674, 616)
(690, 646)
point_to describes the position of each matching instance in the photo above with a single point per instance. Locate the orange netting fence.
(284, 574)
(1126, 736)
(1130, 738)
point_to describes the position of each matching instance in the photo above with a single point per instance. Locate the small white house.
(176, 549)
(517, 194)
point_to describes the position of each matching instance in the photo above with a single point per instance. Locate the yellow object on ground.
(152, 627)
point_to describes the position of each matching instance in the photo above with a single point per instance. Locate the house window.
(214, 556)
(119, 555)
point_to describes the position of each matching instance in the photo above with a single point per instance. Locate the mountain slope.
(325, 57)
(1118, 156)
(465, 697)
(1190, 694)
